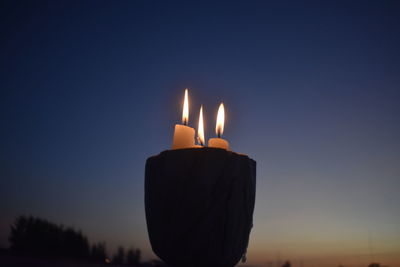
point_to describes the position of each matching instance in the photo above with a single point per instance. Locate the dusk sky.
(91, 89)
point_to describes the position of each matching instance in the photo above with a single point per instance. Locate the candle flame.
(220, 120)
(200, 130)
(185, 113)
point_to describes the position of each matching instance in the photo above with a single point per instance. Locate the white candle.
(183, 134)
(219, 142)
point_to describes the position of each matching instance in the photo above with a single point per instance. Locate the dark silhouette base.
(199, 206)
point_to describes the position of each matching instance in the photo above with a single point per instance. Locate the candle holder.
(199, 206)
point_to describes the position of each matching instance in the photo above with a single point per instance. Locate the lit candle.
(184, 135)
(200, 130)
(219, 142)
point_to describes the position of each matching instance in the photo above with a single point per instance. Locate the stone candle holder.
(199, 206)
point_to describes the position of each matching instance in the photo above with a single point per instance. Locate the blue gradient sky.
(89, 90)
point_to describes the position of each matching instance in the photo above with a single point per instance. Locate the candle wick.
(199, 140)
(219, 134)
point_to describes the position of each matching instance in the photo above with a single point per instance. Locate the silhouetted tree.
(41, 238)
(76, 245)
(98, 252)
(133, 256)
(287, 264)
(119, 258)
(38, 237)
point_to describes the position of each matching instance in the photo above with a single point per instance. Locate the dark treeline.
(36, 237)
(132, 257)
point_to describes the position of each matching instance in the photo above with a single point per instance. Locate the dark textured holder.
(199, 206)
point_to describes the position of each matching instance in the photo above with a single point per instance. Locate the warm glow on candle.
(200, 130)
(220, 120)
(185, 113)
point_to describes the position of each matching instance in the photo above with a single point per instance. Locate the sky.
(91, 89)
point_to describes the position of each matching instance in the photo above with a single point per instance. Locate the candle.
(219, 142)
(200, 130)
(183, 134)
